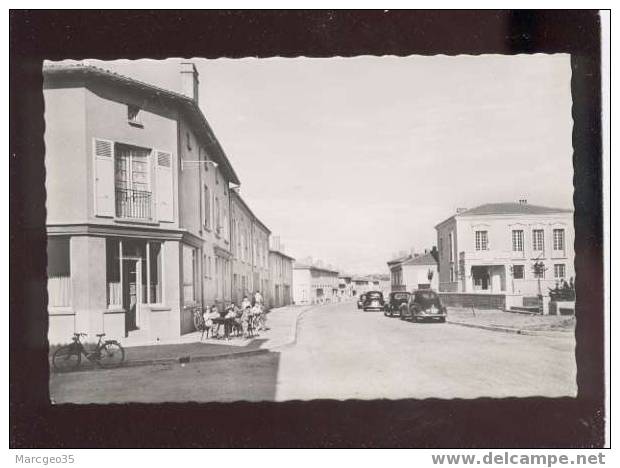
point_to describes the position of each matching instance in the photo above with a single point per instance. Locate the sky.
(351, 160)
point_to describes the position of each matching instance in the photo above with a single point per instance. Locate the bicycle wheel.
(111, 355)
(198, 321)
(66, 358)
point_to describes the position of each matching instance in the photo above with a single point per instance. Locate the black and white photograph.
(272, 229)
(346, 225)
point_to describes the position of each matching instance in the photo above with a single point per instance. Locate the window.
(206, 208)
(127, 255)
(518, 272)
(189, 274)
(451, 274)
(440, 247)
(517, 241)
(188, 140)
(133, 115)
(155, 274)
(451, 248)
(132, 182)
(558, 239)
(481, 240)
(218, 221)
(538, 240)
(58, 272)
(559, 271)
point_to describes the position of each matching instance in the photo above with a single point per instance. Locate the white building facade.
(493, 249)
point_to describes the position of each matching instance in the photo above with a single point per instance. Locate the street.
(344, 353)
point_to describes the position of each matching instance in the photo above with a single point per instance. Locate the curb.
(199, 358)
(516, 331)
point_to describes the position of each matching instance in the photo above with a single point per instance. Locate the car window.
(401, 296)
(376, 295)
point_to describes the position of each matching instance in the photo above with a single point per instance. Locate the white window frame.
(556, 239)
(481, 240)
(517, 240)
(538, 242)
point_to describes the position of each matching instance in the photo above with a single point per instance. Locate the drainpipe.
(230, 239)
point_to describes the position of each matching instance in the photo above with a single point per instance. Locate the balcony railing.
(134, 204)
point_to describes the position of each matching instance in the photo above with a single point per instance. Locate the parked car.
(360, 301)
(395, 300)
(374, 301)
(424, 304)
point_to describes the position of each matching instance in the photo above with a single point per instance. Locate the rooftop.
(279, 252)
(187, 104)
(423, 259)
(305, 266)
(507, 208)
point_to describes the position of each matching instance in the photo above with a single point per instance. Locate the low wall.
(479, 301)
(562, 308)
(61, 328)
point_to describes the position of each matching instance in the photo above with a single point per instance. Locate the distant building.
(250, 248)
(493, 249)
(361, 285)
(345, 287)
(281, 275)
(416, 271)
(314, 284)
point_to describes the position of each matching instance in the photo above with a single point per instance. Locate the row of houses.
(145, 220)
(512, 250)
(315, 283)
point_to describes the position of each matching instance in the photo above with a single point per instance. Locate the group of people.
(244, 320)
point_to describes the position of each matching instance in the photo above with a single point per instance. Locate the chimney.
(523, 201)
(189, 80)
(460, 210)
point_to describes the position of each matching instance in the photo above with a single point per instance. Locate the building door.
(132, 292)
(480, 276)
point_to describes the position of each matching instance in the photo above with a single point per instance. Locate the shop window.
(189, 275)
(58, 272)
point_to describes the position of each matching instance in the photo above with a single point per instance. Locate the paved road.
(344, 353)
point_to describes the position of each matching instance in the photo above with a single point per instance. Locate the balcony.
(134, 204)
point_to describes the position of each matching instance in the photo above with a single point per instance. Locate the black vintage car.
(423, 304)
(360, 301)
(395, 300)
(373, 301)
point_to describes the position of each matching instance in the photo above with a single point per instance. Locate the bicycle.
(198, 319)
(107, 354)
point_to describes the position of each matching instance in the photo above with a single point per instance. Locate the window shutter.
(165, 195)
(103, 158)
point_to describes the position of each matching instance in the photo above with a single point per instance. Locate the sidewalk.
(511, 322)
(282, 324)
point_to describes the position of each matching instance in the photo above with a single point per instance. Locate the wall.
(106, 110)
(242, 248)
(67, 168)
(443, 246)
(418, 274)
(500, 246)
(478, 301)
(302, 286)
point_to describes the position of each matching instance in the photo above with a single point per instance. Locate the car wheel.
(442, 320)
